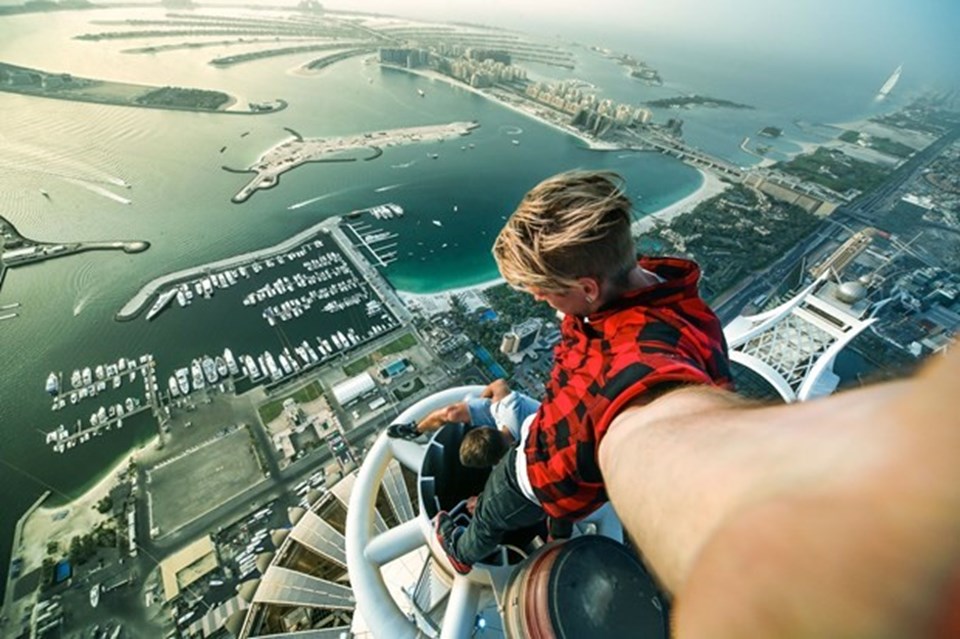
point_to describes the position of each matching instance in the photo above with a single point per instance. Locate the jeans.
(509, 412)
(501, 508)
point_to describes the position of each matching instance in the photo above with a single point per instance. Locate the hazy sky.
(924, 33)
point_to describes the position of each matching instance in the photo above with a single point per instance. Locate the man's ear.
(590, 287)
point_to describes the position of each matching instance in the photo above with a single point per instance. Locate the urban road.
(865, 210)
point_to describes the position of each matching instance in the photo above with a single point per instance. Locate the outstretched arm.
(838, 517)
(453, 413)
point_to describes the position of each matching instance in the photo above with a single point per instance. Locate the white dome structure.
(851, 292)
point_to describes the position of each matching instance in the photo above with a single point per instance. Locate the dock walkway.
(136, 304)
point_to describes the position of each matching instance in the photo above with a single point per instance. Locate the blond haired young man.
(632, 329)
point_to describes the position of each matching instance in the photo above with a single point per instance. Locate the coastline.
(493, 97)
(711, 186)
(47, 523)
(440, 301)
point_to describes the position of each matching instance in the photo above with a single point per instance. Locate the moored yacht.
(53, 384)
(162, 301)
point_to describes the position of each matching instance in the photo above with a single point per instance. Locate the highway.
(864, 210)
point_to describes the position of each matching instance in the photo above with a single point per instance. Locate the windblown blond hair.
(572, 225)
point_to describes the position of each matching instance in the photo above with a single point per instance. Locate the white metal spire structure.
(793, 346)
(437, 602)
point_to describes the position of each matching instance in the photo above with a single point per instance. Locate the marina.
(319, 273)
(88, 383)
(372, 240)
(136, 304)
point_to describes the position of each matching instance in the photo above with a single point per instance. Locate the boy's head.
(568, 230)
(482, 447)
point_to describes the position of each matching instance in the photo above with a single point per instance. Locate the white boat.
(253, 371)
(197, 373)
(183, 381)
(94, 595)
(174, 387)
(53, 384)
(271, 366)
(231, 362)
(209, 370)
(436, 222)
(87, 376)
(421, 93)
(162, 301)
(75, 379)
(890, 83)
(222, 369)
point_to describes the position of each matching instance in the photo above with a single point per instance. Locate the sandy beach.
(529, 112)
(62, 523)
(710, 187)
(440, 302)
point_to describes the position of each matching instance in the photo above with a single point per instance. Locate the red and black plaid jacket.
(661, 334)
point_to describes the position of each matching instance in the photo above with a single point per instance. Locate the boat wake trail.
(84, 283)
(510, 130)
(298, 205)
(404, 165)
(99, 190)
(390, 187)
(79, 304)
(33, 159)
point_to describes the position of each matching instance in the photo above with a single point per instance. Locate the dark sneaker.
(447, 533)
(403, 431)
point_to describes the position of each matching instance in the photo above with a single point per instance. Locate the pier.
(137, 303)
(367, 236)
(22, 250)
(6, 610)
(65, 438)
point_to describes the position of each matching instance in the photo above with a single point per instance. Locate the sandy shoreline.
(76, 517)
(590, 142)
(711, 186)
(434, 302)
